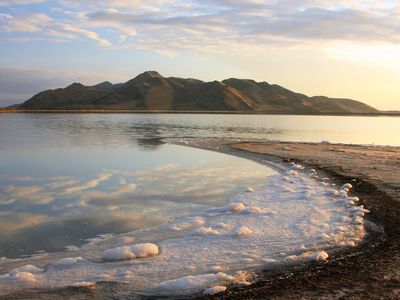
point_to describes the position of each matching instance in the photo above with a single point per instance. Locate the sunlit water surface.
(65, 178)
(76, 186)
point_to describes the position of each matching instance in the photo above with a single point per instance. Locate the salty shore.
(369, 271)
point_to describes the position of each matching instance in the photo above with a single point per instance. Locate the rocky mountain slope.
(151, 91)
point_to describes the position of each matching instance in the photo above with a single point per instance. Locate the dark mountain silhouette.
(108, 85)
(151, 91)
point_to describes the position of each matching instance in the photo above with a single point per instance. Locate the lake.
(77, 180)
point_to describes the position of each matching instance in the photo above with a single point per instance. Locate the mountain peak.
(104, 85)
(75, 85)
(148, 75)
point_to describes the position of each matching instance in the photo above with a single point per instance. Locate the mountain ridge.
(151, 91)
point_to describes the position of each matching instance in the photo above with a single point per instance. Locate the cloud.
(166, 182)
(19, 2)
(25, 23)
(69, 31)
(77, 188)
(153, 5)
(114, 200)
(49, 28)
(28, 194)
(56, 188)
(12, 221)
(207, 26)
(170, 26)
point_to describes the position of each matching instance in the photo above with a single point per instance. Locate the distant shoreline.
(129, 111)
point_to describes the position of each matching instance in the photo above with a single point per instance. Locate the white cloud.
(76, 188)
(74, 30)
(19, 2)
(46, 26)
(171, 26)
(208, 26)
(25, 23)
(117, 4)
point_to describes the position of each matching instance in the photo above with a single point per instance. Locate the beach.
(370, 270)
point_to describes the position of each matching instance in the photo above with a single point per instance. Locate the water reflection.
(51, 213)
(67, 177)
(124, 130)
(149, 144)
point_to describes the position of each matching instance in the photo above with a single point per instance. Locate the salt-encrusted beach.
(367, 270)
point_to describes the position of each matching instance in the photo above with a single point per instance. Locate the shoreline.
(369, 271)
(133, 111)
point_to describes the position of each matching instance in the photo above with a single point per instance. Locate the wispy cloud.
(25, 22)
(49, 28)
(206, 26)
(78, 188)
(166, 182)
(19, 2)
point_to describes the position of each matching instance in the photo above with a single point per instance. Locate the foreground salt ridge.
(130, 252)
(295, 217)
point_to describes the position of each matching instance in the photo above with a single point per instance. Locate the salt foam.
(130, 252)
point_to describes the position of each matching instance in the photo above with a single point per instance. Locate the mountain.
(108, 85)
(74, 96)
(13, 106)
(152, 91)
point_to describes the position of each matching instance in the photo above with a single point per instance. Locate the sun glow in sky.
(318, 47)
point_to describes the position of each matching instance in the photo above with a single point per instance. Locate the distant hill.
(13, 106)
(151, 91)
(108, 85)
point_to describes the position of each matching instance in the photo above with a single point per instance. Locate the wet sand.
(369, 271)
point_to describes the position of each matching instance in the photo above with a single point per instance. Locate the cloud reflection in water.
(51, 213)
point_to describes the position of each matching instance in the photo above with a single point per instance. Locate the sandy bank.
(371, 271)
(376, 165)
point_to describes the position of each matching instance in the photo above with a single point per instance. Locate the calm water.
(65, 178)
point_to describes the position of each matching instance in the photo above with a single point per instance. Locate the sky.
(341, 48)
